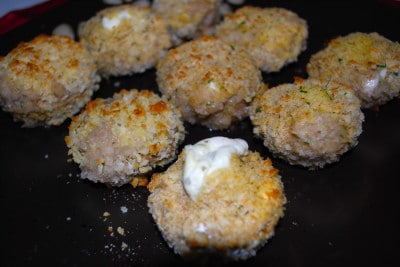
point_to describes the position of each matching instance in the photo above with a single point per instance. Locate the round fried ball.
(187, 19)
(274, 37)
(127, 136)
(233, 216)
(212, 82)
(309, 123)
(125, 39)
(46, 80)
(367, 62)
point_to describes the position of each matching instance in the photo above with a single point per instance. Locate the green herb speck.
(302, 90)
(209, 103)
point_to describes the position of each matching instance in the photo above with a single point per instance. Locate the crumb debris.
(121, 230)
(124, 209)
(139, 181)
(124, 246)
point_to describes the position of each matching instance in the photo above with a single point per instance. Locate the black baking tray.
(343, 214)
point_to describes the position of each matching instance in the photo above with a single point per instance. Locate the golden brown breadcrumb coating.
(213, 83)
(125, 39)
(309, 122)
(367, 62)
(187, 19)
(46, 80)
(273, 36)
(234, 216)
(116, 139)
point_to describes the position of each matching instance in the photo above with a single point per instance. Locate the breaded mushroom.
(125, 39)
(46, 80)
(187, 19)
(231, 209)
(213, 83)
(273, 36)
(127, 136)
(367, 62)
(309, 123)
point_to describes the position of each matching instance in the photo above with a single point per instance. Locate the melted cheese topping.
(110, 23)
(207, 156)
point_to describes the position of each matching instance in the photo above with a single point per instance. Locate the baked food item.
(273, 36)
(309, 123)
(187, 19)
(367, 62)
(127, 136)
(203, 78)
(125, 39)
(231, 210)
(46, 80)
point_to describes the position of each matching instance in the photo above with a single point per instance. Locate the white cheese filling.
(207, 156)
(371, 84)
(110, 23)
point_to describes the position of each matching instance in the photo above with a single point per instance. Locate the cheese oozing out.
(110, 23)
(207, 156)
(371, 83)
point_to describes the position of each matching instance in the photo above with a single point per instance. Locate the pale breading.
(46, 80)
(117, 139)
(273, 36)
(367, 62)
(309, 123)
(187, 19)
(125, 39)
(213, 83)
(233, 216)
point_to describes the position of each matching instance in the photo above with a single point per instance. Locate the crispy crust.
(367, 62)
(235, 214)
(46, 80)
(116, 139)
(274, 37)
(132, 46)
(309, 123)
(187, 19)
(202, 77)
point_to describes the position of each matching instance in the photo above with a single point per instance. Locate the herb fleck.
(302, 90)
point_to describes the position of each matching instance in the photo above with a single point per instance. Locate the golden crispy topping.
(159, 107)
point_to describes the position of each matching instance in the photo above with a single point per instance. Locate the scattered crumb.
(121, 230)
(68, 218)
(106, 214)
(124, 246)
(139, 181)
(110, 229)
(124, 209)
